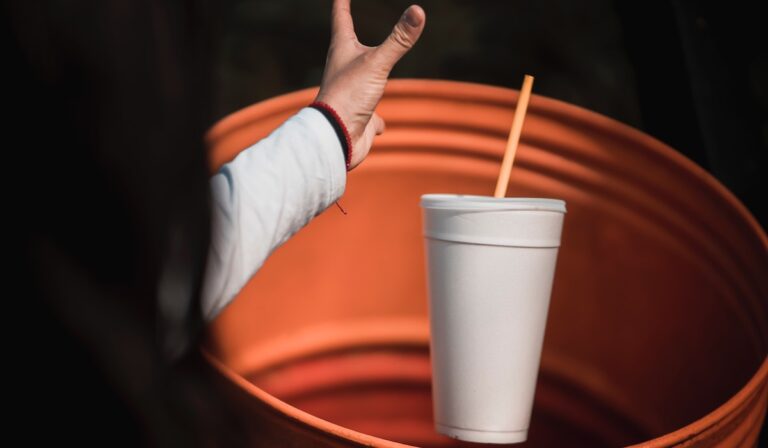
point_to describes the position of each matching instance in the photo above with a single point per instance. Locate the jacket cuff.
(339, 128)
(330, 147)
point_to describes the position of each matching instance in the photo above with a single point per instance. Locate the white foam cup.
(491, 263)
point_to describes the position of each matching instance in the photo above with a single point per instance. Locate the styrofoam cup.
(490, 263)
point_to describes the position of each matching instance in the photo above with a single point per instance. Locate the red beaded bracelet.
(338, 126)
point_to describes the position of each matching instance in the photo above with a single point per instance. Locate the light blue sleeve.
(265, 195)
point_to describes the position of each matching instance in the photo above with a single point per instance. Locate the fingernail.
(411, 18)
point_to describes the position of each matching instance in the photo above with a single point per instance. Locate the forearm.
(264, 196)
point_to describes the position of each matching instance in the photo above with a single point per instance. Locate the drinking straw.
(514, 137)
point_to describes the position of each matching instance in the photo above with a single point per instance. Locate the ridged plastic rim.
(473, 202)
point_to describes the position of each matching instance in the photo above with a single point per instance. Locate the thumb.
(403, 36)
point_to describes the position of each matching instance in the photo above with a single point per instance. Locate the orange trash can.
(658, 327)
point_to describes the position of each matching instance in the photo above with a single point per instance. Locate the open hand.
(355, 74)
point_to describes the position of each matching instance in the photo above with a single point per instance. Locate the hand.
(355, 74)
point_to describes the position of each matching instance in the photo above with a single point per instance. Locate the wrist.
(339, 126)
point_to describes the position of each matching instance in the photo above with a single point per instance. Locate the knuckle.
(401, 38)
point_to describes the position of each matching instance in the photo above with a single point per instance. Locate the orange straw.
(514, 137)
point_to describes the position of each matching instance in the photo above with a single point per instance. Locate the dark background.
(693, 74)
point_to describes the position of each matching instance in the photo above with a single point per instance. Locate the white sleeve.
(265, 195)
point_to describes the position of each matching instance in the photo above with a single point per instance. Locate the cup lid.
(472, 202)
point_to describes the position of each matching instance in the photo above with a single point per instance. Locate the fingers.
(374, 127)
(405, 34)
(341, 20)
(378, 123)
